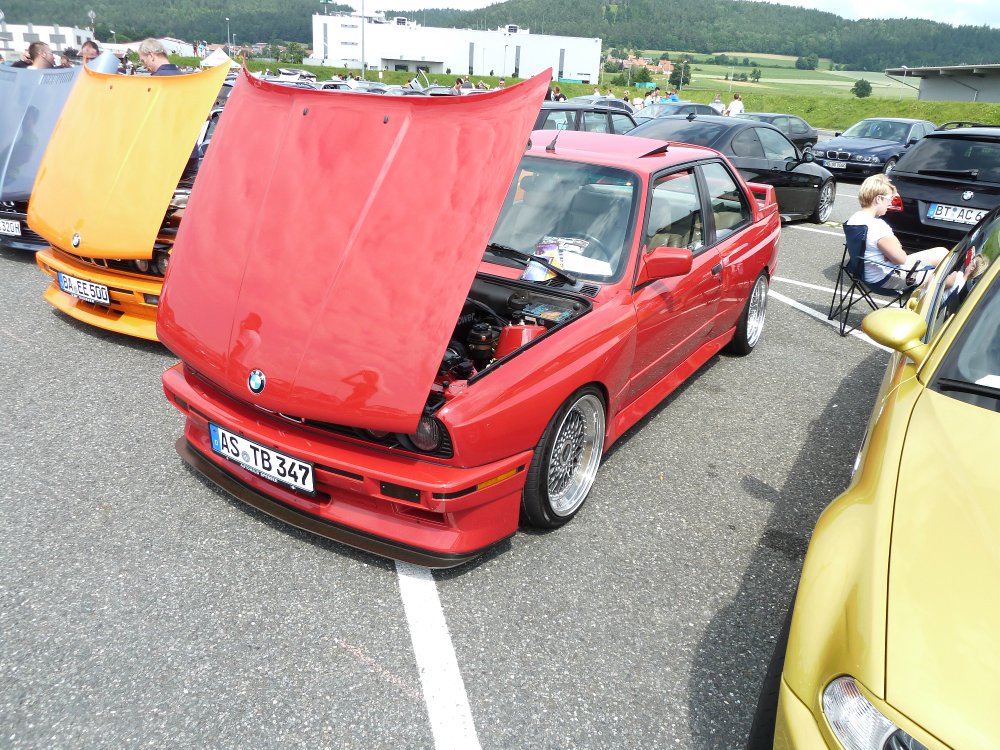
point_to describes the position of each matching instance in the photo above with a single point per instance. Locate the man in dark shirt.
(153, 55)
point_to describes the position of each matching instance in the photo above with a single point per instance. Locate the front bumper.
(795, 728)
(455, 514)
(27, 240)
(860, 169)
(129, 312)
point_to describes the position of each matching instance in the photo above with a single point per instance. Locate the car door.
(674, 316)
(621, 122)
(798, 193)
(747, 155)
(800, 133)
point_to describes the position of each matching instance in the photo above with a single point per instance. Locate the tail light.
(896, 205)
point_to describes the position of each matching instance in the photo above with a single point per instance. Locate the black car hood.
(860, 145)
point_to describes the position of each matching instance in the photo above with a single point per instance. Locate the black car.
(662, 109)
(799, 132)
(14, 230)
(870, 146)
(610, 101)
(946, 184)
(762, 154)
(576, 115)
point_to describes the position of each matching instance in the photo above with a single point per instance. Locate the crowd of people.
(152, 56)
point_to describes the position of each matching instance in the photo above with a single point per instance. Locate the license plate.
(12, 228)
(262, 461)
(836, 165)
(955, 214)
(88, 291)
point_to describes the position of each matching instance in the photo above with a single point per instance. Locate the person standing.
(717, 104)
(153, 55)
(40, 56)
(89, 51)
(735, 106)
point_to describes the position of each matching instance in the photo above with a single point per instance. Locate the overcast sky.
(955, 12)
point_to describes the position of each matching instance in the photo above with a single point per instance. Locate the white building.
(15, 38)
(400, 44)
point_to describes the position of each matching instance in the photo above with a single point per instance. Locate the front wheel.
(751, 324)
(824, 202)
(889, 165)
(565, 463)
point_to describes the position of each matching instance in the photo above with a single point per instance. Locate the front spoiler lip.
(319, 526)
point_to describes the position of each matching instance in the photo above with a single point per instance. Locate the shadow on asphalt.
(738, 642)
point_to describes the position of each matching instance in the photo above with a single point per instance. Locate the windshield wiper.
(505, 251)
(964, 386)
(972, 174)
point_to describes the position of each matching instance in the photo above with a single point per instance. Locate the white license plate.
(836, 165)
(12, 228)
(88, 291)
(955, 214)
(262, 461)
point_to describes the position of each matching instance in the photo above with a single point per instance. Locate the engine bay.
(497, 321)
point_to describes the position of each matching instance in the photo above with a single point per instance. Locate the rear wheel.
(824, 202)
(565, 463)
(751, 324)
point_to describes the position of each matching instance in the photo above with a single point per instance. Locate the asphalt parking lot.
(139, 606)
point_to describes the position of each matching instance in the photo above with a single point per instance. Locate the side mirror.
(912, 141)
(665, 263)
(807, 156)
(899, 329)
(836, 135)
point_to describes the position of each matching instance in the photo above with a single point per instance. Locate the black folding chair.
(852, 288)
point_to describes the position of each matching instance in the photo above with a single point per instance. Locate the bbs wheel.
(824, 202)
(889, 165)
(565, 463)
(751, 324)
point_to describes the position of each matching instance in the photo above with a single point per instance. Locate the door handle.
(716, 269)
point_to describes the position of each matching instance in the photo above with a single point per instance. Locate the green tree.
(681, 75)
(861, 88)
(755, 75)
(665, 56)
(640, 74)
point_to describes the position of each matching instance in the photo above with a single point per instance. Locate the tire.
(807, 147)
(889, 165)
(565, 463)
(764, 716)
(824, 202)
(751, 325)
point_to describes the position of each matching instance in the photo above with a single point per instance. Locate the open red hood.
(330, 242)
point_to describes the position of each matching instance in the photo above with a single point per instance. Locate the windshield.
(658, 110)
(954, 155)
(681, 130)
(883, 130)
(577, 216)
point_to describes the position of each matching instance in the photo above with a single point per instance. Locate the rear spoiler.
(764, 194)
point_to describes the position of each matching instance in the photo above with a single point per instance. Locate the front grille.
(838, 155)
(18, 211)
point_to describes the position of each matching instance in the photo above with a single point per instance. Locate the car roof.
(983, 131)
(772, 114)
(590, 106)
(641, 155)
(909, 120)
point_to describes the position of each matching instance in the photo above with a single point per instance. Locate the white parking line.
(822, 318)
(805, 284)
(444, 690)
(810, 229)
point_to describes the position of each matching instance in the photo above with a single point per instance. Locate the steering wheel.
(595, 248)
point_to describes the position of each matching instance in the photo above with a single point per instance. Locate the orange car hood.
(942, 659)
(331, 240)
(114, 160)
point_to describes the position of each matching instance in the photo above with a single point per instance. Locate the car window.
(621, 123)
(781, 123)
(960, 273)
(674, 218)
(694, 132)
(776, 146)
(798, 126)
(581, 216)
(595, 122)
(747, 144)
(955, 156)
(559, 121)
(730, 208)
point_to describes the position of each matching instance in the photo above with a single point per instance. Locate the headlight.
(142, 264)
(162, 259)
(867, 159)
(428, 436)
(817, 152)
(858, 724)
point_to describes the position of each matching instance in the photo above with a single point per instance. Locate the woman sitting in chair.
(886, 263)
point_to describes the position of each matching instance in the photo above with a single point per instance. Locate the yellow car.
(893, 643)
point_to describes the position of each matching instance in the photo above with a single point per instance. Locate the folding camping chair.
(852, 288)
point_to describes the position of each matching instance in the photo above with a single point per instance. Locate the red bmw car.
(405, 329)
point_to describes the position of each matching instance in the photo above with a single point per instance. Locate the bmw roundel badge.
(76, 240)
(967, 195)
(256, 381)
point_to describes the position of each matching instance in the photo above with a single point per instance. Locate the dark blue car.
(870, 146)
